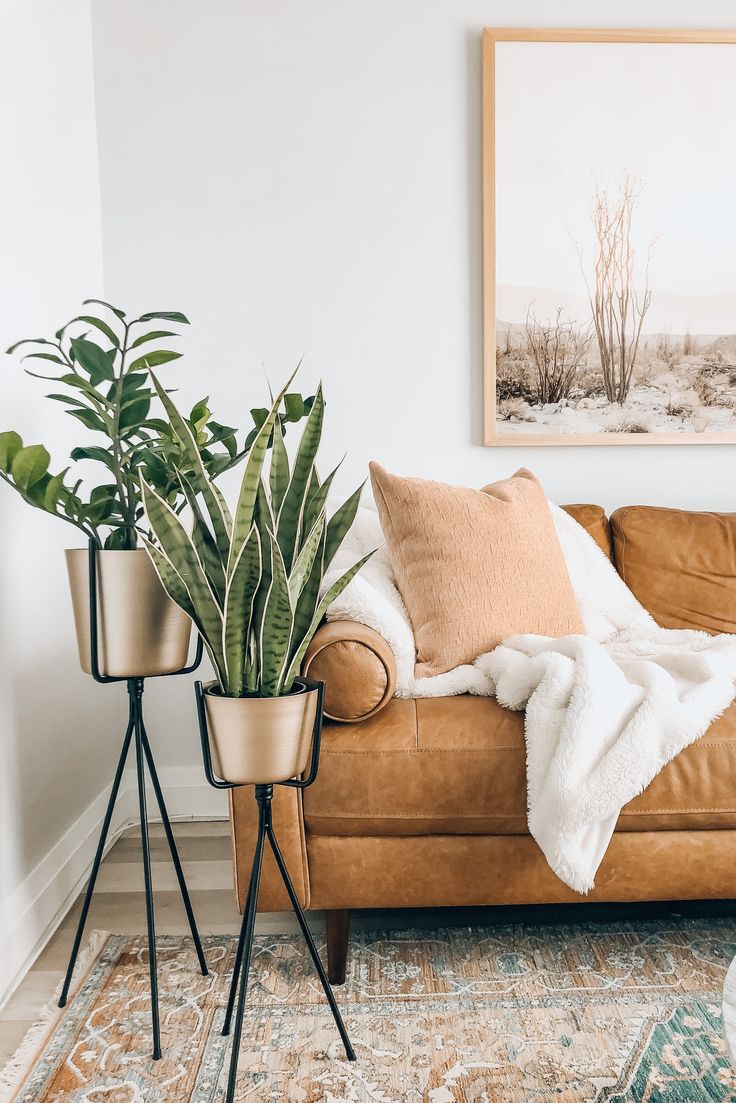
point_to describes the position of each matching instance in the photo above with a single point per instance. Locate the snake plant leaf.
(204, 541)
(263, 513)
(29, 465)
(339, 524)
(243, 516)
(266, 538)
(10, 444)
(313, 485)
(251, 666)
(220, 499)
(278, 475)
(317, 499)
(312, 488)
(309, 596)
(239, 598)
(305, 559)
(179, 549)
(292, 508)
(275, 628)
(202, 484)
(171, 581)
(332, 594)
(178, 593)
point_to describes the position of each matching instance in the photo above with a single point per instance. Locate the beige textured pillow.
(474, 566)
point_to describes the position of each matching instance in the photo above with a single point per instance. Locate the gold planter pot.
(260, 740)
(141, 632)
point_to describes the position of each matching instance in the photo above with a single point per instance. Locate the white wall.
(57, 730)
(306, 178)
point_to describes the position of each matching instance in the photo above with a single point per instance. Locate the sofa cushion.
(680, 565)
(594, 521)
(456, 765)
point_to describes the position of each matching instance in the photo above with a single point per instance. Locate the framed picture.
(609, 237)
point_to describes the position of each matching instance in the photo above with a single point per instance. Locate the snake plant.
(252, 581)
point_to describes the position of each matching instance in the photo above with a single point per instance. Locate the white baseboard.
(188, 796)
(29, 917)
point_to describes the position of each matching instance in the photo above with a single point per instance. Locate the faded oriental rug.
(615, 1012)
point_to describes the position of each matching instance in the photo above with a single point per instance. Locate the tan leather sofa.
(423, 803)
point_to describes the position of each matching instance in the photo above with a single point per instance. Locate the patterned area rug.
(606, 1013)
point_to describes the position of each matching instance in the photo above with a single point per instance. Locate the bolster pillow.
(357, 667)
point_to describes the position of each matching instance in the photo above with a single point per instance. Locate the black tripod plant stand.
(134, 733)
(264, 795)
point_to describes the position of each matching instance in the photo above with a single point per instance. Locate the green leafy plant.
(251, 581)
(101, 373)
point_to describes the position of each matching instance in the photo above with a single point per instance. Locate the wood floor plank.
(128, 876)
(12, 1033)
(56, 954)
(31, 997)
(192, 848)
(125, 913)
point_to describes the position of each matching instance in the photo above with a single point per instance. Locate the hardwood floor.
(119, 905)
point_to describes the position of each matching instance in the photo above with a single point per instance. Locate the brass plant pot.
(260, 740)
(141, 632)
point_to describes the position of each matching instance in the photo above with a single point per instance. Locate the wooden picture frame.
(697, 408)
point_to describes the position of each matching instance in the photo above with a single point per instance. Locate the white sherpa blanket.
(604, 711)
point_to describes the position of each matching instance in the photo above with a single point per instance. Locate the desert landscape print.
(614, 281)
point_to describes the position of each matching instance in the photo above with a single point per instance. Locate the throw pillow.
(474, 567)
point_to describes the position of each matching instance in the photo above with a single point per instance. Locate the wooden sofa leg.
(337, 929)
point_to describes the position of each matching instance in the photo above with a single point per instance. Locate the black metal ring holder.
(264, 795)
(136, 730)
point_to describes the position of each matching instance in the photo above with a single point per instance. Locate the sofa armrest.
(357, 667)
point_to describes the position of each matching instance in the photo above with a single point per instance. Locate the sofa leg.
(337, 929)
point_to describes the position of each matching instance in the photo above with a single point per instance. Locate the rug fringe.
(20, 1064)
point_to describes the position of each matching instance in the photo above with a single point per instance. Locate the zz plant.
(101, 373)
(252, 582)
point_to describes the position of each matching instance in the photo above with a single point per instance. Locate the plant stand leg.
(308, 937)
(245, 946)
(136, 697)
(98, 859)
(337, 932)
(173, 849)
(238, 958)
